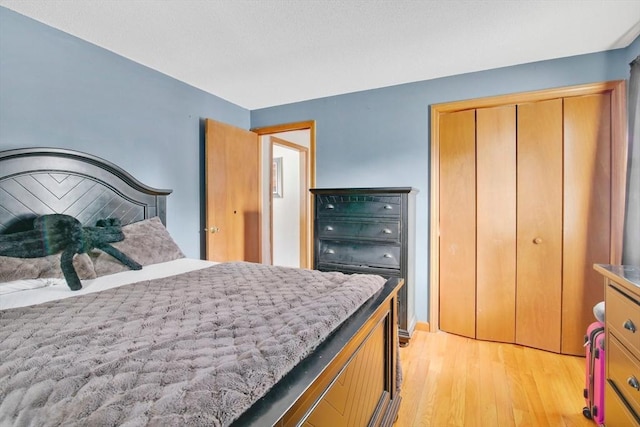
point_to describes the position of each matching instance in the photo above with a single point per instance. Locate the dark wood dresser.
(622, 332)
(369, 230)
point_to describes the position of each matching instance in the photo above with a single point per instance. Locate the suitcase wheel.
(586, 412)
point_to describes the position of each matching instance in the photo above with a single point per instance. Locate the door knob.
(212, 230)
(537, 240)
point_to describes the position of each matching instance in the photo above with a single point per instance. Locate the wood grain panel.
(539, 225)
(458, 223)
(496, 223)
(587, 212)
(233, 193)
(353, 397)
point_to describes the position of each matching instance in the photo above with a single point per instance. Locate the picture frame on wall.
(276, 177)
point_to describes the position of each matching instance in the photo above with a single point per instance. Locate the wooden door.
(496, 223)
(539, 224)
(570, 181)
(458, 223)
(232, 176)
(587, 211)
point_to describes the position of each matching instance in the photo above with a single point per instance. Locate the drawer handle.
(388, 256)
(628, 325)
(388, 207)
(633, 382)
(328, 228)
(330, 251)
(330, 206)
(386, 231)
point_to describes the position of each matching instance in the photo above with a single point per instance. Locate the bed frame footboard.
(350, 380)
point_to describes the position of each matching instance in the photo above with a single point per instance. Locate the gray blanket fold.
(193, 349)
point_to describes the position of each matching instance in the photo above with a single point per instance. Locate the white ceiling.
(261, 53)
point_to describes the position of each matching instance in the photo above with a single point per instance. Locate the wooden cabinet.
(528, 195)
(622, 328)
(369, 230)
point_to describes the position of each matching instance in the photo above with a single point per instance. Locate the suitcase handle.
(633, 382)
(628, 325)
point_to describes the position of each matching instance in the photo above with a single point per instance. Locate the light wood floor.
(455, 381)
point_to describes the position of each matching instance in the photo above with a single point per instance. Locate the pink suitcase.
(594, 378)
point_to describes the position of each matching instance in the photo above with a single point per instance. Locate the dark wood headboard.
(38, 181)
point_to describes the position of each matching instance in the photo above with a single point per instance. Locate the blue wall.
(59, 91)
(381, 137)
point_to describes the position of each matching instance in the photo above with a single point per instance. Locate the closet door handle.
(628, 325)
(633, 382)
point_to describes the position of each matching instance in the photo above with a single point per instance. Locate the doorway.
(286, 220)
(289, 197)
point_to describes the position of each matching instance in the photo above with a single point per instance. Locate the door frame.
(617, 89)
(310, 125)
(303, 152)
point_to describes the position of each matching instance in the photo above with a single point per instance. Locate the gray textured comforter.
(193, 349)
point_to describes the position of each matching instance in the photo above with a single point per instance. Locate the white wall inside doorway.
(301, 138)
(286, 210)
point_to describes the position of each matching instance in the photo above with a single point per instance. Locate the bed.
(347, 372)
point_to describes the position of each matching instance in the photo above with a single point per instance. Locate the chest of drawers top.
(626, 276)
(360, 202)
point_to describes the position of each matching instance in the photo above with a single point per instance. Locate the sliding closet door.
(539, 224)
(496, 223)
(458, 223)
(543, 177)
(587, 211)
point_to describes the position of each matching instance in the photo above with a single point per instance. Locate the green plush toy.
(63, 233)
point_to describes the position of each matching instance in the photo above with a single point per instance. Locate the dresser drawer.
(617, 414)
(387, 273)
(334, 252)
(623, 318)
(359, 206)
(388, 231)
(624, 373)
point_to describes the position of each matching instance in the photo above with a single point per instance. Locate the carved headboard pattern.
(38, 181)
